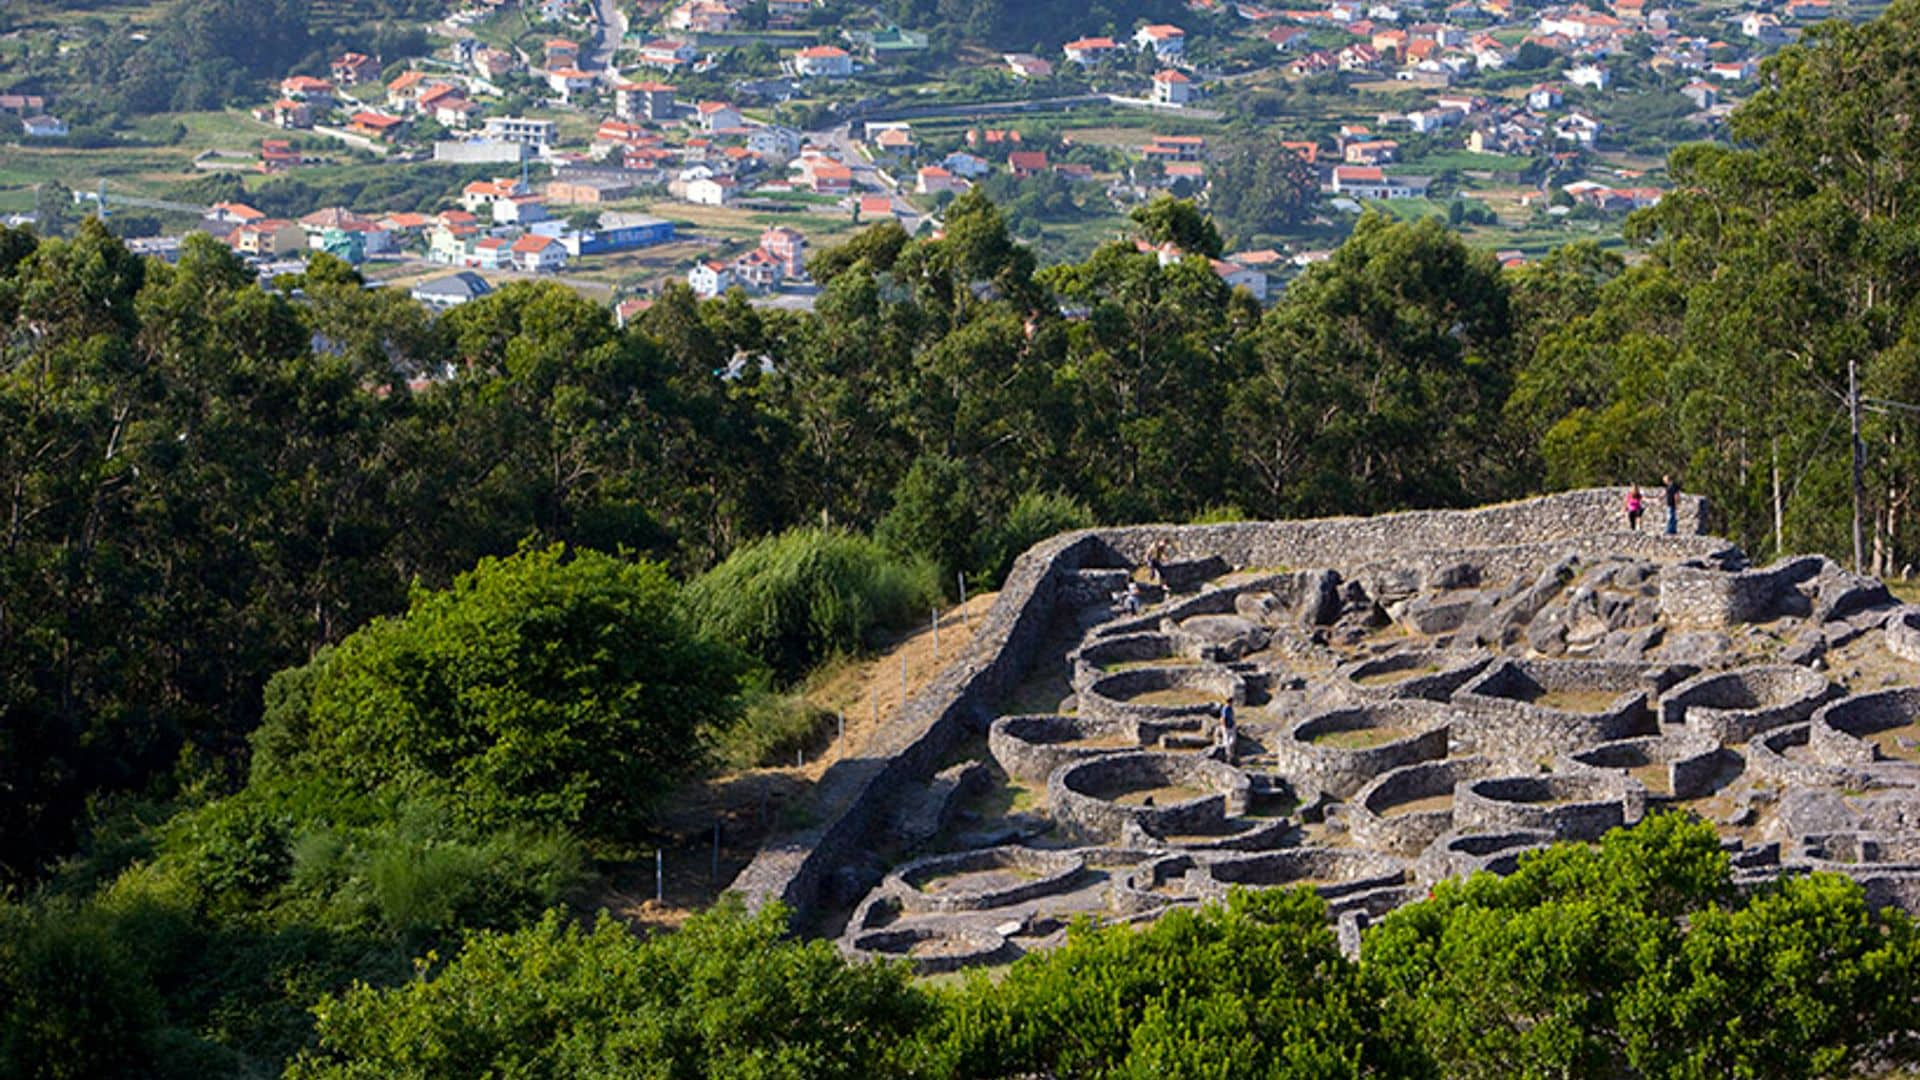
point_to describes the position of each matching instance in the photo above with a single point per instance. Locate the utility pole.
(1859, 458)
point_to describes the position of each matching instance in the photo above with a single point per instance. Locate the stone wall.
(1734, 706)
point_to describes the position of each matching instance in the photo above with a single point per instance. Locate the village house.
(709, 279)
(1167, 42)
(278, 156)
(667, 53)
(479, 196)
(822, 61)
(1701, 93)
(718, 116)
(569, 82)
(375, 125)
(1172, 89)
(406, 88)
(782, 14)
(451, 243)
(823, 175)
(1578, 24)
(1028, 66)
(491, 253)
(290, 114)
(1577, 128)
(267, 238)
(1025, 163)
(711, 190)
(756, 270)
(1236, 276)
(587, 190)
(1545, 97)
(1370, 182)
(644, 101)
(788, 249)
(451, 291)
(1597, 76)
(1089, 51)
(535, 254)
(965, 165)
(491, 63)
(773, 142)
(317, 93)
(1370, 152)
(519, 210)
(1764, 27)
(1175, 148)
(517, 129)
(561, 53)
(932, 180)
(352, 69)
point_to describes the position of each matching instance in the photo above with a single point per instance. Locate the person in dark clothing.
(1673, 504)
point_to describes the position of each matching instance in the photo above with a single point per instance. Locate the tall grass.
(799, 597)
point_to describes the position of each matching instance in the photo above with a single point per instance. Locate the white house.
(667, 53)
(710, 190)
(1371, 182)
(965, 165)
(517, 129)
(1172, 88)
(823, 61)
(1089, 51)
(44, 127)
(933, 179)
(1544, 97)
(710, 279)
(535, 254)
(570, 82)
(1577, 128)
(1597, 76)
(718, 116)
(774, 141)
(1242, 277)
(1763, 27)
(1167, 42)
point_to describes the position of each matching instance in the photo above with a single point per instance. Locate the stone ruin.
(1419, 696)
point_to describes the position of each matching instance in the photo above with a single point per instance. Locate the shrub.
(1034, 517)
(727, 995)
(799, 597)
(542, 690)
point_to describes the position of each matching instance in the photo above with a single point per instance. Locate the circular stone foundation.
(1567, 806)
(934, 950)
(1160, 693)
(1332, 872)
(1342, 750)
(1166, 794)
(1734, 706)
(983, 879)
(1032, 747)
(1428, 674)
(1883, 726)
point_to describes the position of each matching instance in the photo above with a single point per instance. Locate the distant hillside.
(1045, 24)
(209, 53)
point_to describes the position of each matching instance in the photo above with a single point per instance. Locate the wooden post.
(659, 876)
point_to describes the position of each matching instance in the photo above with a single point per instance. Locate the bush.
(1034, 517)
(727, 995)
(543, 690)
(1252, 988)
(771, 728)
(799, 597)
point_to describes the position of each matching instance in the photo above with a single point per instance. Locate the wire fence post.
(963, 597)
(903, 680)
(659, 875)
(935, 619)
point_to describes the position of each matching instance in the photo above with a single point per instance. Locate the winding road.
(610, 30)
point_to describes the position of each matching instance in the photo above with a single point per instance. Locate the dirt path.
(747, 805)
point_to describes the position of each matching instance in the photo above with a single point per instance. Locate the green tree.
(1167, 220)
(549, 688)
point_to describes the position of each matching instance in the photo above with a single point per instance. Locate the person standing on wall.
(1227, 732)
(1635, 507)
(1156, 562)
(1673, 504)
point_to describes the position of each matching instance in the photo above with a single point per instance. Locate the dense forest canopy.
(288, 575)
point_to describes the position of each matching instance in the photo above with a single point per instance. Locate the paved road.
(612, 30)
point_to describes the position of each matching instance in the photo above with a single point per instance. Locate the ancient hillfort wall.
(829, 864)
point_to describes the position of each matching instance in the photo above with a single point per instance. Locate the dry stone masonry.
(1418, 696)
